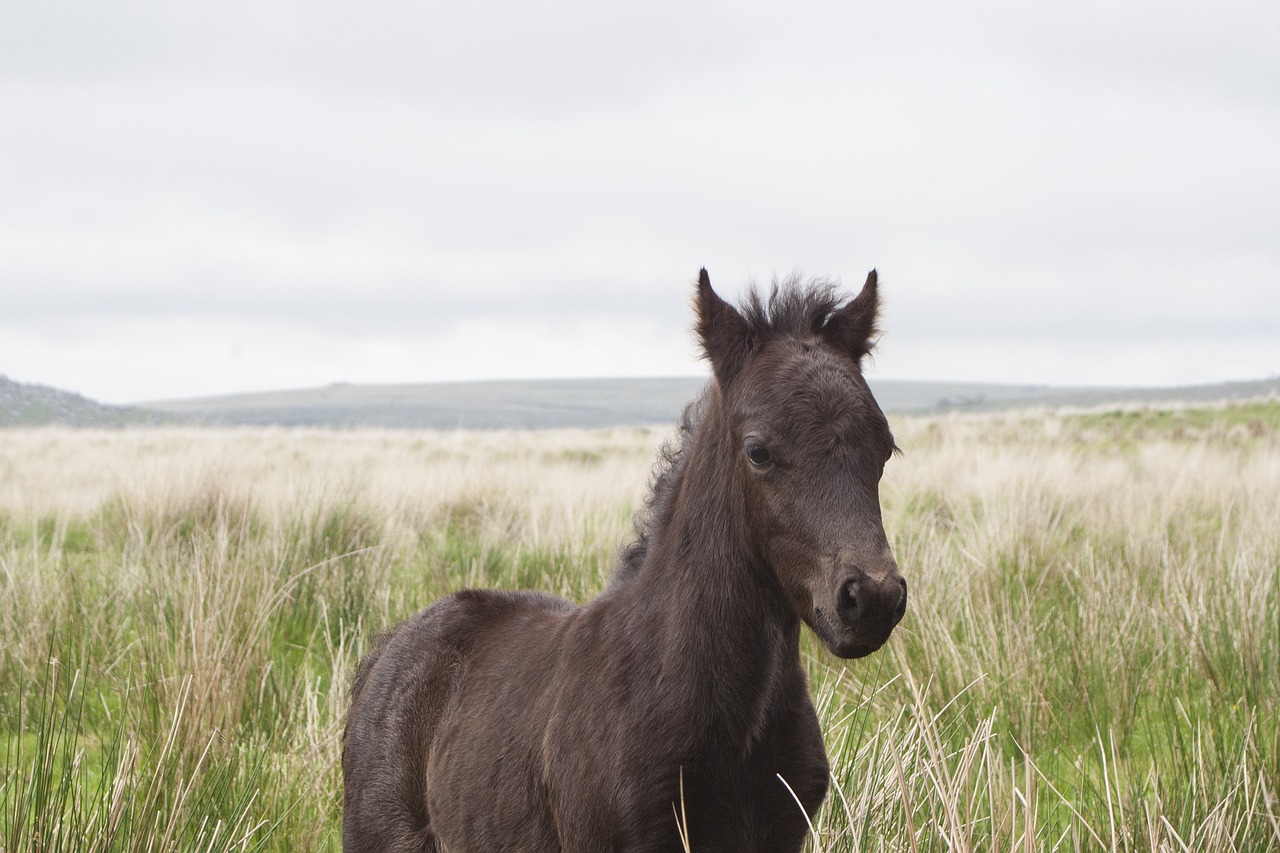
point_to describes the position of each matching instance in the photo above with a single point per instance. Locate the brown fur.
(520, 722)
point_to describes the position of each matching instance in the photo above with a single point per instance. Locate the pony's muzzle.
(869, 608)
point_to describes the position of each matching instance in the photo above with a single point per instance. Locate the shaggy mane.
(793, 308)
(662, 491)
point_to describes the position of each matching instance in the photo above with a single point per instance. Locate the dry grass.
(1089, 661)
(549, 479)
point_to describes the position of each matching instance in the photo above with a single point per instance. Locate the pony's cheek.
(792, 561)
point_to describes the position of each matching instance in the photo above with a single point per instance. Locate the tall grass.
(1090, 660)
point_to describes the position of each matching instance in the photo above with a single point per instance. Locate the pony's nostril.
(901, 609)
(867, 604)
(849, 599)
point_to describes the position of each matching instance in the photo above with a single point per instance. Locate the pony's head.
(810, 444)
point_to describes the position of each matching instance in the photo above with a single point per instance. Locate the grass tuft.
(1089, 659)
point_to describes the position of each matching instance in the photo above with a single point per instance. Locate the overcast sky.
(201, 198)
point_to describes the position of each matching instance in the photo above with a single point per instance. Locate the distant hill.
(542, 404)
(40, 405)
(531, 404)
(591, 403)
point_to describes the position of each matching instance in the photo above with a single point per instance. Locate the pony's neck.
(724, 629)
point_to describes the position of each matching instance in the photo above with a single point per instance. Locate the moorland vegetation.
(1090, 657)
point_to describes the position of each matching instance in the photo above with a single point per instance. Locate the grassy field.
(1090, 660)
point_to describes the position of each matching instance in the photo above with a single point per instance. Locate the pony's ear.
(852, 329)
(725, 336)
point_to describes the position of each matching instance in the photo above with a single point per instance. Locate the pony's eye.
(759, 455)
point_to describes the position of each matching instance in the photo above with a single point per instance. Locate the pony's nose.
(872, 606)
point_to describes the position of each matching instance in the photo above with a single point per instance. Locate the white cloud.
(140, 358)
(370, 189)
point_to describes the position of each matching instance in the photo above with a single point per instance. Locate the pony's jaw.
(836, 642)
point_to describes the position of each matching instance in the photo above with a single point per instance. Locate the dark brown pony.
(674, 704)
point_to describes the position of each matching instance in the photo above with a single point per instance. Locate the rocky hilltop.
(39, 405)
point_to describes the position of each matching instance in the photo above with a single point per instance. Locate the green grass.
(1245, 420)
(1090, 659)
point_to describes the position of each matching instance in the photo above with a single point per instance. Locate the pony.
(671, 712)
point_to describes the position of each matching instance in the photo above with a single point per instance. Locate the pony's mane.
(662, 491)
(793, 308)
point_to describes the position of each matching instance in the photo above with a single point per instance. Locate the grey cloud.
(566, 54)
(1026, 170)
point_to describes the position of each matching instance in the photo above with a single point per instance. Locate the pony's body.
(505, 760)
(674, 703)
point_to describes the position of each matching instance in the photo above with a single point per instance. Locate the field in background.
(1090, 658)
